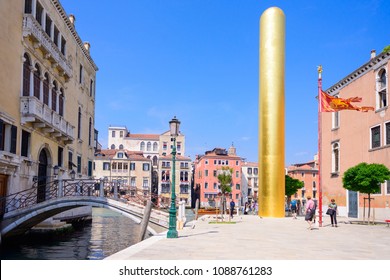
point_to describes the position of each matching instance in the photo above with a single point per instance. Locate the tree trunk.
(369, 207)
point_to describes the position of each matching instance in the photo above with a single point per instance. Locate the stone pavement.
(255, 238)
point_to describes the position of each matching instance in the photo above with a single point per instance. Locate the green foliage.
(225, 179)
(386, 49)
(365, 178)
(292, 185)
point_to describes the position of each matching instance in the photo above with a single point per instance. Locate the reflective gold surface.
(271, 114)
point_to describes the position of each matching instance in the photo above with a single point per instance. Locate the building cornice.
(76, 36)
(380, 59)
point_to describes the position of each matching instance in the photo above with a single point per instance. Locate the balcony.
(32, 29)
(41, 116)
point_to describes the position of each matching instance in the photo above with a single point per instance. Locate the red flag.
(334, 104)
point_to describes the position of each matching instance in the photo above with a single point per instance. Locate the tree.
(366, 178)
(292, 185)
(225, 181)
(386, 49)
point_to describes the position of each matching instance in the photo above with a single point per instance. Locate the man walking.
(232, 205)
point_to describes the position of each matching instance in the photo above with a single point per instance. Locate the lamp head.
(72, 174)
(174, 125)
(55, 170)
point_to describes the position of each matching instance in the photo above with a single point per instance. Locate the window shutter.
(1, 135)
(14, 131)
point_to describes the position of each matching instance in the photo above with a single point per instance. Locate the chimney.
(373, 54)
(72, 19)
(87, 46)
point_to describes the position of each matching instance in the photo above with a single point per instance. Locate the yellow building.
(47, 96)
(157, 148)
(130, 171)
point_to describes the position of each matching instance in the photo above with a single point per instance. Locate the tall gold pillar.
(271, 193)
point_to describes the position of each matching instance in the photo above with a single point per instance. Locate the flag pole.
(319, 69)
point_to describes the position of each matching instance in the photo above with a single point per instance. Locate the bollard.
(101, 191)
(181, 216)
(196, 208)
(145, 220)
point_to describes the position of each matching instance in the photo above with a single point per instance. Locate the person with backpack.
(293, 207)
(310, 211)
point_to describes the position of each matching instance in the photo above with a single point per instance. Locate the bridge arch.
(19, 221)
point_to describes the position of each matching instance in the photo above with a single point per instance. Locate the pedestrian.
(310, 210)
(332, 210)
(246, 208)
(293, 207)
(232, 205)
(254, 207)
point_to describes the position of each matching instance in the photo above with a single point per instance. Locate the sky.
(198, 60)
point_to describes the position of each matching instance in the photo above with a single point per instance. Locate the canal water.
(108, 233)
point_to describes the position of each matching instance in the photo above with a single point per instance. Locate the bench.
(387, 222)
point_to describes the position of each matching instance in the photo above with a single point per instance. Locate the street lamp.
(174, 125)
(55, 170)
(72, 174)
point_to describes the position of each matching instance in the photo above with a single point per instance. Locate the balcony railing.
(33, 110)
(32, 28)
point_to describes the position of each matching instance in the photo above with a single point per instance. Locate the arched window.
(37, 81)
(142, 147)
(46, 89)
(154, 160)
(149, 147)
(121, 147)
(155, 146)
(112, 147)
(54, 96)
(382, 89)
(79, 124)
(26, 75)
(61, 102)
(335, 158)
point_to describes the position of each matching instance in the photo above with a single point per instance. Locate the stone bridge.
(22, 211)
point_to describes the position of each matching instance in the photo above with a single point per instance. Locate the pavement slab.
(255, 238)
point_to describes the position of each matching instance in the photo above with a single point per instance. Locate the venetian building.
(129, 171)
(158, 148)
(207, 168)
(351, 137)
(47, 96)
(249, 181)
(307, 173)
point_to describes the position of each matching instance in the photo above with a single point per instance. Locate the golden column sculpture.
(271, 195)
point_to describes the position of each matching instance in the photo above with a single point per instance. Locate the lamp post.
(72, 175)
(174, 125)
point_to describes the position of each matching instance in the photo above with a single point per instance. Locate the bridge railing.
(79, 187)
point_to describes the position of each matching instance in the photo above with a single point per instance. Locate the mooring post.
(145, 220)
(196, 208)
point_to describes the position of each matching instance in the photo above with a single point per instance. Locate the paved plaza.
(252, 237)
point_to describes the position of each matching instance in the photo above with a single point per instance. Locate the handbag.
(330, 211)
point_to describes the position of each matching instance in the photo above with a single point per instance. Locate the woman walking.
(333, 214)
(310, 211)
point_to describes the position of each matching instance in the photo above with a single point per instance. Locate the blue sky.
(198, 60)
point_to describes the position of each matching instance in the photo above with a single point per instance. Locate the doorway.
(352, 204)
(42, 177)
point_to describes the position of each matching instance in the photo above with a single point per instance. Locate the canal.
(108, 233)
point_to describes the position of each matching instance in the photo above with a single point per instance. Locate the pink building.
(206, 171)
(307, 173)
(351, 137)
